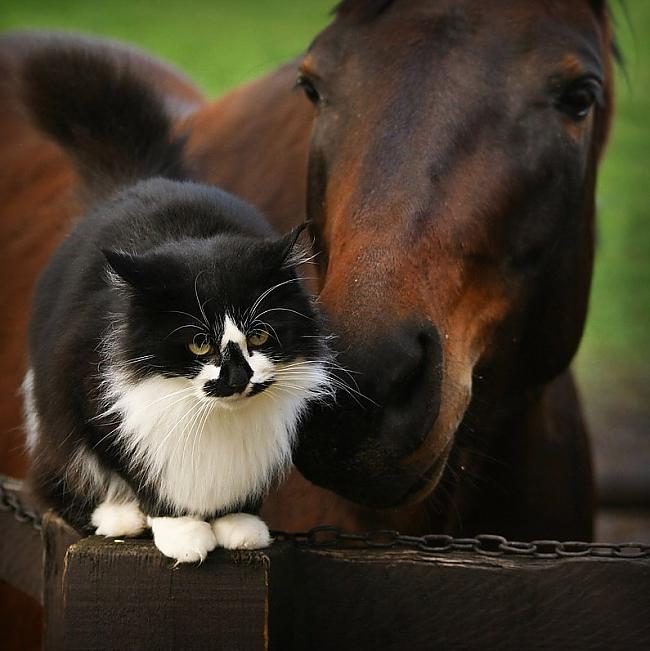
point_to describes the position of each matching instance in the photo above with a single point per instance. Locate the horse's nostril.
(415, 354)
(408, 376)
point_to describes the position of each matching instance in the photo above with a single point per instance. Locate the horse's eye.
(200, 349)
(258, 338)
(578, 98)
(308, 88)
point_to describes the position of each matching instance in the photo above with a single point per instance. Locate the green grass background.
(220, 43)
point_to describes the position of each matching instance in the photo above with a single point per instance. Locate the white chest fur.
(199, 457)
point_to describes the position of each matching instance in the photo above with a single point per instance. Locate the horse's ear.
(598, 6)
(292, 252)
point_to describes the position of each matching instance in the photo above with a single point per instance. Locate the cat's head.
(229, 313)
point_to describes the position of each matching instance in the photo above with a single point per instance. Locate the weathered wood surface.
(57, 538)
(126, 595)
(403, 600)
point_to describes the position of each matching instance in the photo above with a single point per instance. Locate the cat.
(172, 347)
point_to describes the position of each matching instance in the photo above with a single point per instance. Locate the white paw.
(241, 531)
(185, 539)
(118, 519)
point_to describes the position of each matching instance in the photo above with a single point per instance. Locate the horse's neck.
(254, 142)
(517, 477)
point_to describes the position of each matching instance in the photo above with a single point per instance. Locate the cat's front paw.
(184, 539)
(241, 531)
(118, 519)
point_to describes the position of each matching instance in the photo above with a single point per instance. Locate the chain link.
(327, 536)
(9, 502)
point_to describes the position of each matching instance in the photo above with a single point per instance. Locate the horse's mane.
(360, 10)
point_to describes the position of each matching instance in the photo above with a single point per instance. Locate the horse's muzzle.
(362, 447)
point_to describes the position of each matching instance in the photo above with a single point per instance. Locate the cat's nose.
(232, 379)
(235, 370)
(236, 376)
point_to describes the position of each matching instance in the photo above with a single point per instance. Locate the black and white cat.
(172, 347)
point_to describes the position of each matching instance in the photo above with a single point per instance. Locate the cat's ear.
(293, 252)
(123, 266)
(137, 271)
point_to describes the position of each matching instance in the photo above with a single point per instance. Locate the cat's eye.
(200, 349)
(258, 338)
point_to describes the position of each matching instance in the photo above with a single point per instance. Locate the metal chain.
(483, 544)
(9, 502)
(326, 536)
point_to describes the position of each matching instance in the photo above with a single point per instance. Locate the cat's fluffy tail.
(104, 113)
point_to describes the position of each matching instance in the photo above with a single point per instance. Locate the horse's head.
(451, 192)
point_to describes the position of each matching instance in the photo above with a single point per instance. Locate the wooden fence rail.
(111, 594)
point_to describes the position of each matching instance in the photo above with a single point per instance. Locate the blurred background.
(220, 44)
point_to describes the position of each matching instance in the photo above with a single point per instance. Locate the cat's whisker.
(173, 428)
(352, 392)
(305, 260)
(192, 435)
(189, 325)
(272, 390)
(267, 292)
(191, 316)
(301, 390)
(135, 360)
(334, 381)
(326, 362)
(330, 365)
(268, 326)
(206, 411)
(113, 406)
(330, 372)
(284, 309)
(119, 421)
(196, 410)
(198, 300)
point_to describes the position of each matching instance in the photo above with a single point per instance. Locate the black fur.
(97, 107)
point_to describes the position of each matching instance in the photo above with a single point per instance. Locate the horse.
(451, 170)
(445, 153)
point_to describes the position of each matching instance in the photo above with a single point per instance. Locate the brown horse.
(449, 178)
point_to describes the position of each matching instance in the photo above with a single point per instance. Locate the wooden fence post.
(126, 595)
